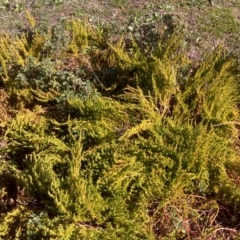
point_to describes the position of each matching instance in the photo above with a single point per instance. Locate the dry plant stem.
(214, 217)
(226, 229)
(89, 66)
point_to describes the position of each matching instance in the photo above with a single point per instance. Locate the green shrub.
(107, 141)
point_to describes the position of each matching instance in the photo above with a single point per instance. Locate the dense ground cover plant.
(125, 140)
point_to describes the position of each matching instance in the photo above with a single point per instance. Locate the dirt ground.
(206, 23)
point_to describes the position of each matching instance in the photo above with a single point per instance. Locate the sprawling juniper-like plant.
(105, 141)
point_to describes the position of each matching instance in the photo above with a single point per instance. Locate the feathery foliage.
(113, 141)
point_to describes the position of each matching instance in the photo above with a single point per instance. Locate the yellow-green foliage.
(16, 50)
(136, 161)
(82, 36)
(30, 18)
